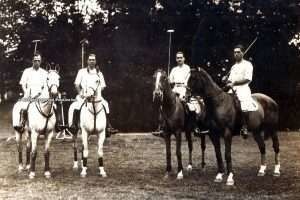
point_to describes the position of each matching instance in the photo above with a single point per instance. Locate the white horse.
(92, 121)
(41, 120)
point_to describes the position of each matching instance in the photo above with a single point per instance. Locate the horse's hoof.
(262, 170)
(75, 165)
(261, 173)
(83, 175)
(27, 167)
(180, 176)
(189, 168)
(219, 178)
(166, 176)
(230, 180)
(20, 168)
(276, 170)
(31, 175)
(230, 183)
(47, 174)
(104, 175)
(83, 172)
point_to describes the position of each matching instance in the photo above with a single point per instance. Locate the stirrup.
(64, 134)
(158, 133)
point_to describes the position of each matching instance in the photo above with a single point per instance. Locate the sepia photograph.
(150, 99)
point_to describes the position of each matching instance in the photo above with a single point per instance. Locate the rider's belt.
(179, 84)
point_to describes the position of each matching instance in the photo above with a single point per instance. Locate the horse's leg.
(28, 150)
(203, 147)
(190, 145)
(85, 151)
(216, 142)
(178, 153)
(277, 154)
(168, 154)
(262, 148)
(49, 137)
(75, 162)
(34, 138)
(228, 142)
(19, 148)
(101, 139)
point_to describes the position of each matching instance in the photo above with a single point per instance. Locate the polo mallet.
(35, 45)
(83, 43)
(248, 48)
(170, 31)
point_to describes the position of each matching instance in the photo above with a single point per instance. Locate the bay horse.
(42, 119)
(176, 121)
(92, 122)
(224, 115)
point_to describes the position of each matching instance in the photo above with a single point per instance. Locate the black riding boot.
(109, 129)
(244, 129)
(58, 125)
(74, 126)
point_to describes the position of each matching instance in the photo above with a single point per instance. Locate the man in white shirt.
(81, 79)
(239, 79)
(179, 76)
(33, 81)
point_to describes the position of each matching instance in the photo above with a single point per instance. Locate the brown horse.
(224, 115)
(176, 120)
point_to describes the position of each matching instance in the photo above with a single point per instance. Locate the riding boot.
(74, 126)
(23, 119)
(244, 129)
(109, 129)
(58, 125)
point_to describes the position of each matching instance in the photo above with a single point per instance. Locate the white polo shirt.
(180, 74)
(33, 80)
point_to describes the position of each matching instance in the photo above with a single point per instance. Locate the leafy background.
(130, 40)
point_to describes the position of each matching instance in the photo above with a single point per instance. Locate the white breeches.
(180, 90)
(245, 98)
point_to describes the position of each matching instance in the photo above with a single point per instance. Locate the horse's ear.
(57, 67)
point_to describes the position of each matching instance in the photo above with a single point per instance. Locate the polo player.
(33, 81)
(80, 83)
(239, 79)
(178, 79)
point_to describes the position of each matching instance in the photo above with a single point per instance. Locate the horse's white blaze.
(180, 175)
(277, 170)
(102, 172)
(157, 79)
(230, 180)
(75, 165)
(47, 174)
(219, 177)
(262, 170)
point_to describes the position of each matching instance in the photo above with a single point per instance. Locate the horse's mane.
(208, 77)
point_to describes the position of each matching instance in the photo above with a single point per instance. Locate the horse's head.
(160, 82)
(200, 83)
(53, 82)
(196, 82)
(92, 90)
